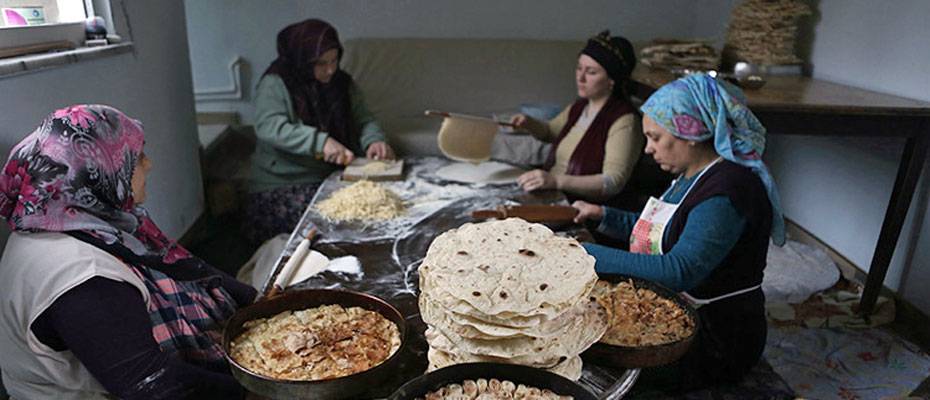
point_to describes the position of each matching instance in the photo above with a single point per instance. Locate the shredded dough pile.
(363, 200)
(375, 167)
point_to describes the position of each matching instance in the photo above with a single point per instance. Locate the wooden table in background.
(795, 105)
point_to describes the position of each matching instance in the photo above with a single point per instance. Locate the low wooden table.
(390, 254)
(795, 105)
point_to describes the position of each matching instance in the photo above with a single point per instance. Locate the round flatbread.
(572, 341)
(433, 313)
(466, 139)
(570, 368)
(508, 268)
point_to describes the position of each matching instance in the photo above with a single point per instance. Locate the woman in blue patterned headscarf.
(689, 106)
(707, 236)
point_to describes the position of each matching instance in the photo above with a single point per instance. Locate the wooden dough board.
(356, 171)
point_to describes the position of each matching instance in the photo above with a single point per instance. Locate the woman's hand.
(587, 211)
(537, 179)
(380, 151)
(519, 121)
(335, 153)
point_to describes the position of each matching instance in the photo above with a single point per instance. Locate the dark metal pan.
(518, 374)
(336, 388)
(643, 356)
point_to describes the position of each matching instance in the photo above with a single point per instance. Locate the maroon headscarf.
(324, 106)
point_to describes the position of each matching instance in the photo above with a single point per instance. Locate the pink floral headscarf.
(73, 175)
(74, 172)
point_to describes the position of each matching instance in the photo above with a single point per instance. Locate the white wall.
(220, 30)
(152, 84)
(880, 46)
(839, 188)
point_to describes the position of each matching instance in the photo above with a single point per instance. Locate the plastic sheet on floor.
(846, 363)
(795, 271)
(834, 308)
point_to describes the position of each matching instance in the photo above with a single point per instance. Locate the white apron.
(649, 232)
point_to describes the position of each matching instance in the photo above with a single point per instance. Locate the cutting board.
(357, 170)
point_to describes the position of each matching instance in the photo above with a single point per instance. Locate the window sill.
(35, 62)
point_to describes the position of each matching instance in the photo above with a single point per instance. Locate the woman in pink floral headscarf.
(96, 300)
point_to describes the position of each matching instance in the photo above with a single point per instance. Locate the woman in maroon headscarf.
(598, 139)
(310, 120)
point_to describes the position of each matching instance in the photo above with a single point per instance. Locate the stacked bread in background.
(764, 32)
(509, 291)
(673, 54)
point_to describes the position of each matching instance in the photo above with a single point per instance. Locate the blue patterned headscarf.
(699, 107)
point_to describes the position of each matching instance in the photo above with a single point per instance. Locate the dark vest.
(588, 157)
(733, 330)
(743, 267)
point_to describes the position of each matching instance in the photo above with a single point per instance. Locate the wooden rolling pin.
(282, 274)
(531, 213)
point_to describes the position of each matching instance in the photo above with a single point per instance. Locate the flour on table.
(347, 264)
(486, 172)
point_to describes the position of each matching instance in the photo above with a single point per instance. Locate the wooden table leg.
(912, 162)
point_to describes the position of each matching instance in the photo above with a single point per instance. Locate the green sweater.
(285, 153)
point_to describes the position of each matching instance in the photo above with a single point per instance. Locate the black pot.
(518, 374)
(336, 388)
(643, 356)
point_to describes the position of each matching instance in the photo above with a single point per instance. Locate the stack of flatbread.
(509, 291)
(680, 54)
(764, 32)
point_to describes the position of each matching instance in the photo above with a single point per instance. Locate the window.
(33, 33)
(41, 12)
(28, 26)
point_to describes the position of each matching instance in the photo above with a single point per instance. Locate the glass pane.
(40, 12)
(71, 10)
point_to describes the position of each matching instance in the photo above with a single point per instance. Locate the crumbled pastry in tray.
(317, 343)
(640, 317)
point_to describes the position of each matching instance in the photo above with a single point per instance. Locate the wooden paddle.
(466, 116)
